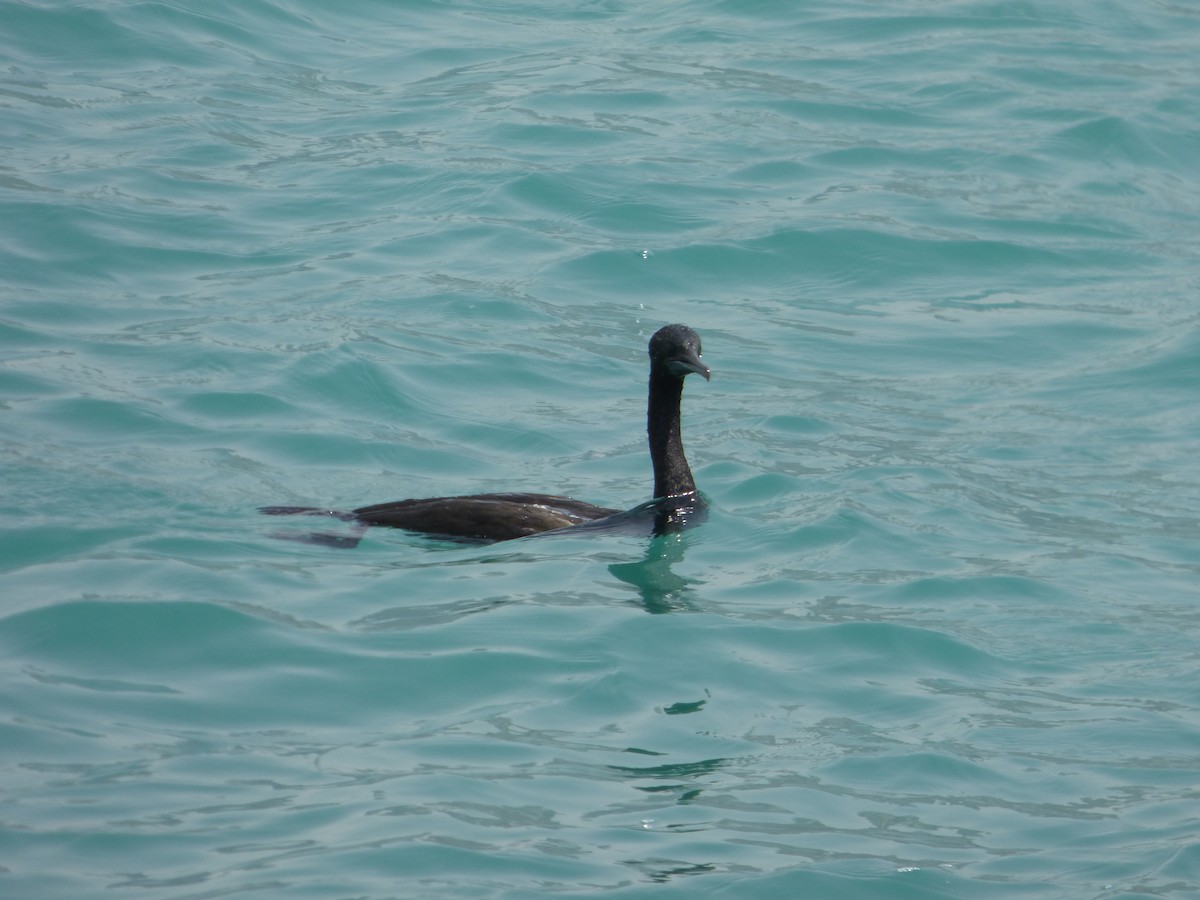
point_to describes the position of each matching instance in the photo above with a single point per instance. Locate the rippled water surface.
(938, 637)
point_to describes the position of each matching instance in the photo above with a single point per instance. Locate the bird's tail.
(324, 538)
(306, 511)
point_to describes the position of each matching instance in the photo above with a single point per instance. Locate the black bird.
(485, 518)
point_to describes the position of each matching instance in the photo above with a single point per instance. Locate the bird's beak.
(686, 362)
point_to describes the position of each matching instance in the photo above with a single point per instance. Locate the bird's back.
(483, 517)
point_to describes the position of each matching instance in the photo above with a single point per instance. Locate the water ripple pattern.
(938, 637)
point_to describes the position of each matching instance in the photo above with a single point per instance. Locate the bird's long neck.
(672, 475)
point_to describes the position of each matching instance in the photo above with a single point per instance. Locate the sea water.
(938, 637)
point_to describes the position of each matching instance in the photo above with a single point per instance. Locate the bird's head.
(676, 349)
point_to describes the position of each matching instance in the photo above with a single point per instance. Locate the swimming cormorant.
(484, 518)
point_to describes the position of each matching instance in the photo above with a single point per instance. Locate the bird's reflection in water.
(664, 524)
(661, 589)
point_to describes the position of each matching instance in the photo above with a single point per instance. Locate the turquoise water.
(938, 638)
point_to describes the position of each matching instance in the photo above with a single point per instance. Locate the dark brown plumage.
(674, 354)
